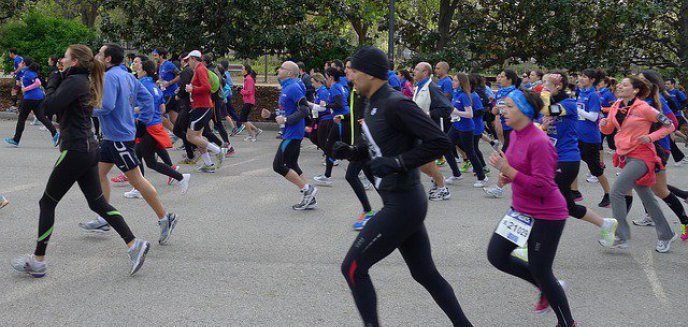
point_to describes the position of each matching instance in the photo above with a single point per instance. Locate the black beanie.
(371, 61)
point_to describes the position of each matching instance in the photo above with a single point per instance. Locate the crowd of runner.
(390, 125)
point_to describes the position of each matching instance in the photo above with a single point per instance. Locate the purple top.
(535, 193)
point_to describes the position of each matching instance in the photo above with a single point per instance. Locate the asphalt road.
(241, 257)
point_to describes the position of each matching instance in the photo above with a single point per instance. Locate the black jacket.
(400, 128)
(68, 95)
(440, 106)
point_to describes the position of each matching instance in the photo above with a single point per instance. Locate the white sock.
(213, 147)
(102, 220)
(206, 159)
(305, 187)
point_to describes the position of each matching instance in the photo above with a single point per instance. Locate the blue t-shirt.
(665, 142)
(29, 78)
(158, 99)
(679, 99)
(18, 60)
(445, 85)
(336, 90)
(478, 121)
(291, 94)
(499, 97)
(607, 98)
(563, 133)
(323, 94)
(588, 131)
(344, 83)
(393, 80)
(460, 100)
(167, 72)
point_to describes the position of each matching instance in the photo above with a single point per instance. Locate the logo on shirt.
(373, 112)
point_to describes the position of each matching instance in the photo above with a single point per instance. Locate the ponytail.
(465, 85)
(96, 69)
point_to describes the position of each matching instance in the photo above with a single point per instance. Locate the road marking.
(646, 263)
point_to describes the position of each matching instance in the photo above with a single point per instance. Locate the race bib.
(515, 227)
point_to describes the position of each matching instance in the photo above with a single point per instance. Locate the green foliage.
(40, 36)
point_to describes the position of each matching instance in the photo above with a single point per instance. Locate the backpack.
(214, 81)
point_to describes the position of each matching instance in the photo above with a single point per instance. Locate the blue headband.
(520, 100)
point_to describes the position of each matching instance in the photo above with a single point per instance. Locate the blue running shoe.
(363, 220)
(12, 142)
(56, 139)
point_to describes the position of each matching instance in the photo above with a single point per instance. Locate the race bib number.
(515, 227)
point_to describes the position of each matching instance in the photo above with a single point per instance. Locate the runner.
(403, 138)
(168, 76)
(406, 82)
(636, 155)
(73, 95)
(295, 107)
(248, 93)
(537, 206)
(121, 92)
(18, 66)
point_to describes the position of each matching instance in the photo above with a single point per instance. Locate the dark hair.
(221, 69)
(334, 73)
(535, 100)
(539, 73)
(672, 81)
(207, 60)
(28, 61)
(477, 81)
(35, 67)
(511, 75)
(390, 64)
(131, 55)
(656, 87)
(595, 74)
(13, 51)
(182, 56)
(301, 65)
(116, 53)
(249, 70)
(405, 73)
(162, 52)
(148, 66)
(338, 64)
(641, 84)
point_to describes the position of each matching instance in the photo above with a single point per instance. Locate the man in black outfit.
(400, 138)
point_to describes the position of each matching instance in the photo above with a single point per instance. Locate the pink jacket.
(637, 123)
(248, 93)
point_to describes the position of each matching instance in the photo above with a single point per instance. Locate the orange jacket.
(637, 123)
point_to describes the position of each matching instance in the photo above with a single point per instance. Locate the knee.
(97, 204)
(46, 203)
(280, 168)
(424, 276)
(352, 272)
(497, 258)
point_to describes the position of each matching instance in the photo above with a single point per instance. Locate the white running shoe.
(451, 180)
(481, 183)
(592, 180)
(663, 246)
(495, 192)
(133, 194)
(323, 180)
(440, 194)
(184, 183)
(608, 232)
(645, 221)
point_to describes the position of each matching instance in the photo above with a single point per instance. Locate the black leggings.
(217, 122)
(398, 225)
(676, 152)
(465, 141)
(678, 192)
(542, 248)
(26, 107)
(80, 167)
(567, 172)
(146, 150)
(352, 171)
(334, 132)
(182, 124)
(476, 148)
(287, 157)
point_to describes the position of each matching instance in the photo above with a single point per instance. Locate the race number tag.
(515, 227)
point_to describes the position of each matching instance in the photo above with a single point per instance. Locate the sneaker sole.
(643, 224)
(676, 236)
(96, 231)
(139, 264)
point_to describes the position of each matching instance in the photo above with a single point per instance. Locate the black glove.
(383, 166)
(341, 150)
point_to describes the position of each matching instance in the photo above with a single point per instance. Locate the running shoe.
(542, 306)
(607, 232)
(363, 220)
(592, 180)
(120, 180)
(167, 225)
(441, 194)
(310, 193)
(171, 180)
(207, 169)
(366, 183)
(12, 142)
(466, 167)
(137, 254)
(663, 246)
(133, 194)
(42, 128)
(335, 163)
(28, 264)
(221, 157)
(3, 201)
(56, 139)
(453, 180)
(323, 180)
(521, 253)
(240, 129)
(495, 191)
(12, 109)
(230, 151)
(258, 132)
(95, 226)
(440, 162)
(184, 183)
(645, 221)
(481, 183)
(605, 201)
(618, 244)
(313, 204)
(577, 196)
(249, 138)
(35, 122)
(684, 231)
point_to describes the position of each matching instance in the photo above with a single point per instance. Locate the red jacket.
(200, 95)
(249, 91)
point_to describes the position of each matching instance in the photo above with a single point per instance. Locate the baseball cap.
(194, 53)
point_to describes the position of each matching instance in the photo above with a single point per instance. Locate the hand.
(189, 88)
(341, 150)
(337, 120)
(265, 113)
(281, 120)
(603, 122)
(644, 139)
(323, 103)
(498, 160)
(165, 84)
(547, 122)
(503, 180)
(383, 166)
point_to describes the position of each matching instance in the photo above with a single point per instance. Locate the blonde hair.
(318, 78)
(465, 85)
(96, 70)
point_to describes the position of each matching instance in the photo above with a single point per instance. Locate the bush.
(39, 36)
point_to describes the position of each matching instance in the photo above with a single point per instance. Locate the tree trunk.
(361, 30)
(89, 13)
(447, 10)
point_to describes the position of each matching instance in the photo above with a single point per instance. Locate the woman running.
(32, 102)
(406, 82)
(319, 114)
(538, 207)
(633, 118)
(248, 94)
(72, 96)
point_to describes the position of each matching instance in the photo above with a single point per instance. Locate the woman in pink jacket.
(538, 212)
(637, 126)
(248, 94)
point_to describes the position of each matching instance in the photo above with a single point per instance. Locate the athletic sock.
(206, 159)
(214, 148)
(675, 205)
(629, 202)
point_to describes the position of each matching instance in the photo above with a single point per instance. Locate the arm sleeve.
(300, 113)
(337, 102)
(407, 117)
(655, 116)
(591, 116)
(109, 97)
(144, 100)
(541, 171)
(59, 94)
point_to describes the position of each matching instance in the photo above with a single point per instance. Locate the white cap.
(194, 53)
